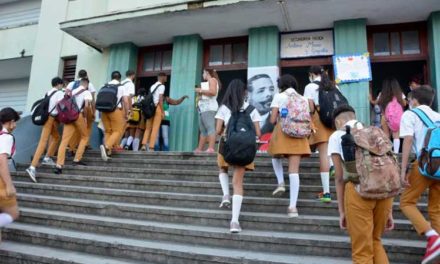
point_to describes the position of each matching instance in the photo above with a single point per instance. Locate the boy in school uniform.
(365, 219)
(83, 99)
(413, 130)
(50, 129)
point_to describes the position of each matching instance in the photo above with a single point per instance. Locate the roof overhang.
(227, 18)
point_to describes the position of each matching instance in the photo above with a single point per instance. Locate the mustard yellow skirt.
(322, 133)
(282, 145)
(5, 201)
(140, 125)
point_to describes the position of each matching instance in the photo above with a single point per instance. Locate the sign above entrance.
(355, 68)
(306, 44)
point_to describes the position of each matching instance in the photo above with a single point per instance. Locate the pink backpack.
(393, 114)
(68, 111)
(298, 122)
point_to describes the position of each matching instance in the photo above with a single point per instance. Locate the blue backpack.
(429, 156)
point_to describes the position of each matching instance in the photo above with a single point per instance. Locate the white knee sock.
(325, 180)
(396, 143)
(224, 182)
(5, 219)
(136, 142)
(277, 165)
(236, 207)
(123, 142)
(129, 140)
(294, 189)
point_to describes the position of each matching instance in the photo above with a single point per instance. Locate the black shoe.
(79, 163)
(57, 170)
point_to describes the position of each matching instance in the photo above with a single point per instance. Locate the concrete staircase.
(163, 208)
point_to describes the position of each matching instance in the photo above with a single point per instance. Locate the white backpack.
(298, 121)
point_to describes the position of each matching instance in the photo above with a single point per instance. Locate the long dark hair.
(287, 81)
(390, 89)
(325, 84)
(234, 95)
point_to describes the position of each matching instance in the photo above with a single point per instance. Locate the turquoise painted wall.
(263, 47)
(123, 57)
(186, 72)
(434, 53)
(351, 38)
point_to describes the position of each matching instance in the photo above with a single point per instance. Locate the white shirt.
(208, 103)
(412, 125)
(160, 91)
(311, 91)
(56, 97)
(6, 143)
(91, 86)
(280, 100)
(334, 142)
(224, 114)
(129, 87)
(121, 91)
(80, 98)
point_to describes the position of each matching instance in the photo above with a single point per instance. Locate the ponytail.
(325, 84)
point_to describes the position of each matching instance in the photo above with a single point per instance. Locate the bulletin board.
(352, 68)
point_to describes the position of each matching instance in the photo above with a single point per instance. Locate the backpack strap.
(249, 109)
(55, 106)
(157, 87)
(13, 142)
(424, 117)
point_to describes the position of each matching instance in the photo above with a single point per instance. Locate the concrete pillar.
(264, 46)
(434, 53)
(123, 57)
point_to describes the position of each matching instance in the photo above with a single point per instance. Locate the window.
(69, 69)
(153, 60)
(396, 43)
(226, 53)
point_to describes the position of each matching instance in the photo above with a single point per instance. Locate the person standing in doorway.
(153, 124)
(208, 106)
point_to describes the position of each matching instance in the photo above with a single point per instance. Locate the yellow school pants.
(80, 127)
(152, 128)
(50, 129)
(113, 124)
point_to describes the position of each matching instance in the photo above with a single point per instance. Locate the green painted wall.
(186, 72)
(123, 56)
(351, 38)
(263, 47)
(434, 52)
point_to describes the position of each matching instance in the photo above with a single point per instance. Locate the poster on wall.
(306, 44)
(262, 87)
(354, 68)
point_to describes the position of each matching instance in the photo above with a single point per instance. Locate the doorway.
(226, 76)
(301, 74)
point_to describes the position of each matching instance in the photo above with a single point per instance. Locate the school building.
(40, 39)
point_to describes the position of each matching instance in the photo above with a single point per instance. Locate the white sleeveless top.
(208, 103)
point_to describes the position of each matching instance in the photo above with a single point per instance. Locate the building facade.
(42, 39)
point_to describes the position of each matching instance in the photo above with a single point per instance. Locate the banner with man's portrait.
(262, 86)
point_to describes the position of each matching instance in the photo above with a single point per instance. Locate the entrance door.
(301, 74)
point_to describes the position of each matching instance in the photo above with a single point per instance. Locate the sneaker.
(32, 174)
(279, 190)
(48, 161)
(103, 153)
(79, 163)
(432, 255)
(292, 212)
(235, 228)
(57, 170)
(326, 198)
(226, 202)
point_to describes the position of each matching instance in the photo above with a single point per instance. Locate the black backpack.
(329, 100)
(240, 147)
(147, 105)
(107, 99)
(40, 110)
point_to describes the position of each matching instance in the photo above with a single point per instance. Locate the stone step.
(156, 251)
(213, 218)
(248, 240)
(20, 253)
(171, 174)
(250, 204)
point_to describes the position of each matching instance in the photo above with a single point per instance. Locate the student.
(165, 126)
(128, 96)
(365, 219)
(412, 130)
(390, 90)
(233, 101)
(83, 99)
(8, 200)
(50, 129)
(140, 128)
(282, 145)
(320, 80)
(114, 121)
(153, 124)
(208, 106)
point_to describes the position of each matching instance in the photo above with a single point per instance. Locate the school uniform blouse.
(280, 100)
(224, 114)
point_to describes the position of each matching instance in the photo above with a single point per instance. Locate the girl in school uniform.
(8, 201)
(282, 145)
(233, 101)
(320, 80)
(140, 128)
